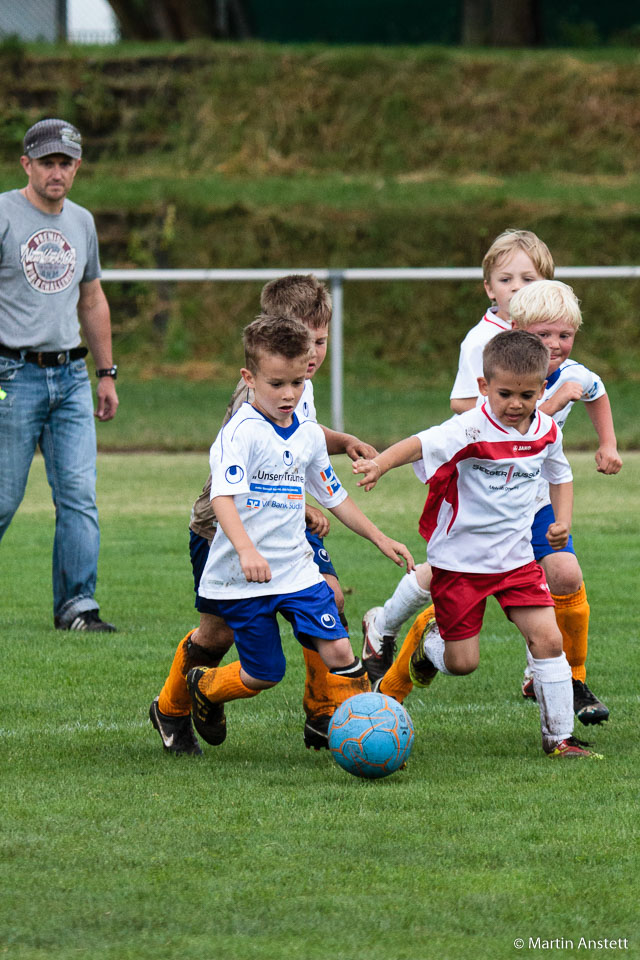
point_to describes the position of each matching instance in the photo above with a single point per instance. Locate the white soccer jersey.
(470, 362)
(592, 389)
(306, 409)
(483, 478)
(266, 469)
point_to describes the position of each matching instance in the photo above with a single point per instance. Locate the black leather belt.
(45, 358)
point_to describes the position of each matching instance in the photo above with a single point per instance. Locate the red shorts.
(460, 598)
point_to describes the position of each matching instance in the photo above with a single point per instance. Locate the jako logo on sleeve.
(234, 474)
(332, 484)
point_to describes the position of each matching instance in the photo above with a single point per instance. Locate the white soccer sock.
(407, 599)
(554, 693)
(528, 670)
(434, 649)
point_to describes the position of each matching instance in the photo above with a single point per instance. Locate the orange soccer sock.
(396, 682)
(317, 698)
(341, 686)
(174, 699)
(572, 617)
(222, 684)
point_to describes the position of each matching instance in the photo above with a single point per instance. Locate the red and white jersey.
(483, 478)
(267, 469)
(470, 362)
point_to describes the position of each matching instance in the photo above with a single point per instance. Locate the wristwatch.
(108, 372)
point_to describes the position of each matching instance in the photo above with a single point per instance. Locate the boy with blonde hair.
(309, 301)
(482, 468)
(259, 563)
(551, 310)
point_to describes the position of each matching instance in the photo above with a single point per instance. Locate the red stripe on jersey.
(443, 485)
(501, 325)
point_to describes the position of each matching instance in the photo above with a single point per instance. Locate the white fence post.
(337, 351)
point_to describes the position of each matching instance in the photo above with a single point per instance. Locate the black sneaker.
(421, 670)
(87, 620)
(316, 732)
(586, 706)
(208, 718)
(176, 733)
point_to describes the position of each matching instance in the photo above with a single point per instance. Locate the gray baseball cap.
(53, 136)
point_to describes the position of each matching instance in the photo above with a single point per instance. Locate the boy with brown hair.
(259, 563)
(482, 468)
(309, 301)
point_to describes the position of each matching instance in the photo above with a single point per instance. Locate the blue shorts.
(199, 551)
(543, 518)
(311, 612)
(320, 555)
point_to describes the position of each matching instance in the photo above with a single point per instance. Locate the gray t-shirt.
(44, 257)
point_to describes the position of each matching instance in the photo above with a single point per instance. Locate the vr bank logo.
(253, 504)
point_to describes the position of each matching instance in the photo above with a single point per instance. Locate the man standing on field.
(49, 289)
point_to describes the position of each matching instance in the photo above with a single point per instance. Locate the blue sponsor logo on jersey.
(331, 482)
(591, 392)
(328, 621)
(253, 504)
(287, 458)
(234, 474)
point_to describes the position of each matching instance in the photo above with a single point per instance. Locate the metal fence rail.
(337, 279)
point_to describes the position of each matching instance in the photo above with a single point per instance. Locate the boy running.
(483, 468)
(301, 297)
(260, 562)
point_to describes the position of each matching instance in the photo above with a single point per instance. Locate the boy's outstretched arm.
(608, 460)
(561, 496)
(405, 451)
(346, 443)
(353, 518)
(254, 566)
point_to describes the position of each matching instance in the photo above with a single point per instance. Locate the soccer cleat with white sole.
(378, 650)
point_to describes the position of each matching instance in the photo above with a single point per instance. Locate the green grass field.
(260, 850)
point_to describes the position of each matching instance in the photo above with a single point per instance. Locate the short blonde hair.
(549, 301)
(511, 240)
(280, 336)
(298, 295)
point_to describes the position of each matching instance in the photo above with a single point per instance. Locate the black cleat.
(87, 620)
(316, 732)
(176, 733)
(586, 706)
(208, 718)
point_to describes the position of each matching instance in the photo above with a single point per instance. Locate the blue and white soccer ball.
(370, 735)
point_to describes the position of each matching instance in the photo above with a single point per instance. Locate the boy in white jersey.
(260, 562)
(305, 298)
(514, 259)
(483, 468)
(551, 310)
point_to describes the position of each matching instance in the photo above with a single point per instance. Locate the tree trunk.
(181, 19)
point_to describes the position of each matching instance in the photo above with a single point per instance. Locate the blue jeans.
(52, 408)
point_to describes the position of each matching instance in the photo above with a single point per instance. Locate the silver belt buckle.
(61, 358)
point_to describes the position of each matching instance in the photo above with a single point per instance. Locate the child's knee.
(254, 683)
(460, 657)
(546, 644)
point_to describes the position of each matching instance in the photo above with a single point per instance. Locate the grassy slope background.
(305, 156)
